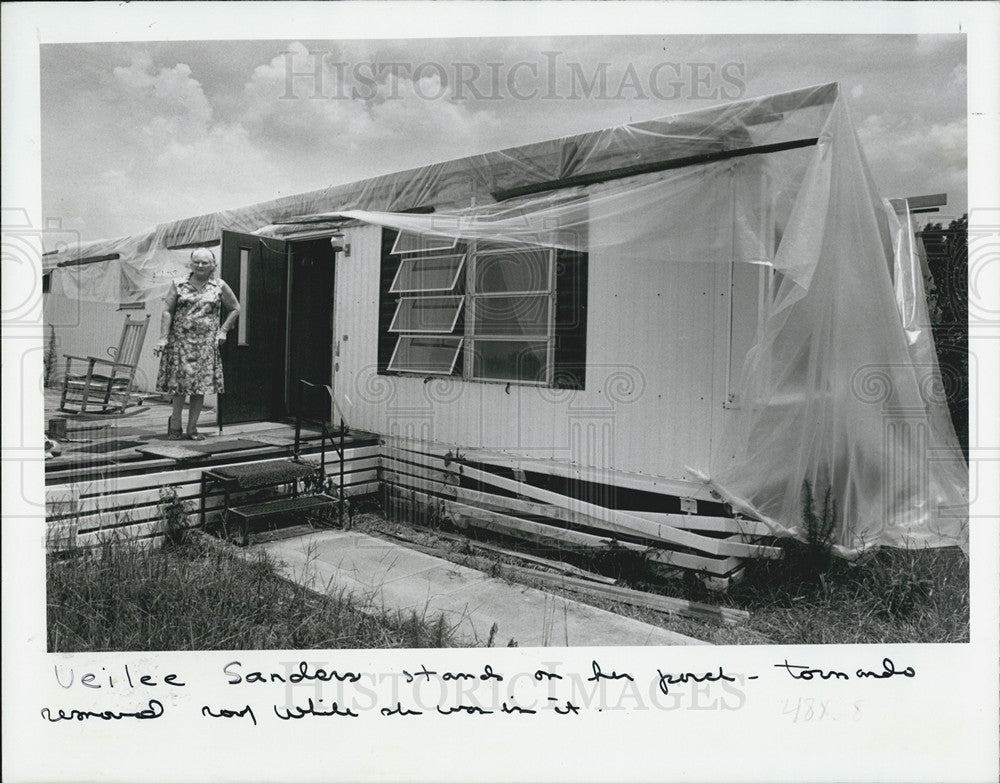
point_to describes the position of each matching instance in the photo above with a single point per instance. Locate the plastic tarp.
(842, 391)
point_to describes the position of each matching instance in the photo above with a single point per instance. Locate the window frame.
(411, 330)
(410, 336)
(473, 298)
(395, 251)
(560, 346)
(454, 281)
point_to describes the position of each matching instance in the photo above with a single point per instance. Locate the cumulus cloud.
(154, 152)
(138, 134)
(319, 105)
(916, 157)
(172, 92)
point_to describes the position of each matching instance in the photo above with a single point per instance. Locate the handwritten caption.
(310, 691)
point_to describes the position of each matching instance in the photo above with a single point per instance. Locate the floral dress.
(191, 362)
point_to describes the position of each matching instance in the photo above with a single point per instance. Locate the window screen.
(509, 270)
(484, 311)
(515, 316)
(426, 314)
(433, 273)
(418, 243)
(435, 355)
(510, 360)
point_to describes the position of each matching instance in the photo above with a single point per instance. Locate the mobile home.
(716, 306)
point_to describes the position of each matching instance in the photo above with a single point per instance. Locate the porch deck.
(108, 479)
(100, 445)
(111, 468)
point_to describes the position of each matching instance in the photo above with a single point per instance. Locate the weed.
(174, 513)
(889, 596)
(818, 528)
(49, 359)
(457, 457)
(437, 515)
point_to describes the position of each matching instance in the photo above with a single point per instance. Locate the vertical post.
(340, 501)
(201, 505)
(298, 419)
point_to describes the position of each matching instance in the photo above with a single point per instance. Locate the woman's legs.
(177, 402)
(197, 400)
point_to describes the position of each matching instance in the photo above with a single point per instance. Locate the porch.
(110, 469)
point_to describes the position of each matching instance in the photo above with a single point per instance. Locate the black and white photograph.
(387, 376)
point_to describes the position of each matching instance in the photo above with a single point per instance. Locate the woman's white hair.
(203, 250)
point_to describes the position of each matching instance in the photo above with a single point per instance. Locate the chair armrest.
(69, 363)
(97, 360)
(94, 360)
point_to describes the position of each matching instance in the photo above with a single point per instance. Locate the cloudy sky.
(139, 133)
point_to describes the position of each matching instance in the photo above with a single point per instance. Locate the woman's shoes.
(179, 434)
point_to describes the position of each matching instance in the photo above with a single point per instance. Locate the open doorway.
(310, 323)
(285, 330)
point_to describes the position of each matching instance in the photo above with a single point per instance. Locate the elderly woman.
(190, 338)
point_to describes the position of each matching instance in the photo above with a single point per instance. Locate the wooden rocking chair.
(106, 383)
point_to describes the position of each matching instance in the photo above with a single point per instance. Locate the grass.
(888, 596)
(200, 595)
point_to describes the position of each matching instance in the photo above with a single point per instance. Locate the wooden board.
(412, 459)
(664, 486)
(170, 452)
(272, 440)
(117, 514)
(550, 535)
(745, 527)
(62, 471)
(64, 534)
(660, 603)
(115, 484)
(684, 524)
(92, 509)
(625, 523)
(521, 506)
(90, 501)
(443, 477)
(506, 505)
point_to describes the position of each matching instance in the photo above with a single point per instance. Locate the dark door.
(310, 325)
(253, 358)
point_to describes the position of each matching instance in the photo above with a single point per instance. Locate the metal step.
(277, 507)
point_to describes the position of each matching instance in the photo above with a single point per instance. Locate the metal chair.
(106, 383)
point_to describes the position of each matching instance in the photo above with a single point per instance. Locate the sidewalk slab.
(390, 576)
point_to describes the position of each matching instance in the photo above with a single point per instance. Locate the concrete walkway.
(390, 576)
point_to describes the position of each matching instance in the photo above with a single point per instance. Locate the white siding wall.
(657, 354)
(90, 328)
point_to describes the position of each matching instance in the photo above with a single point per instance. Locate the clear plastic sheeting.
(141, 272)
(454, 187)
(841, 392)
